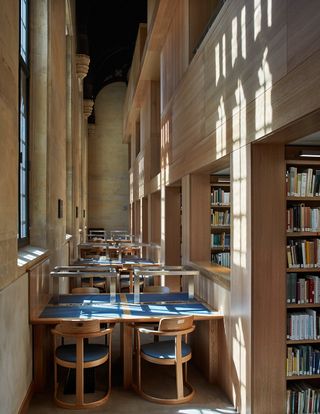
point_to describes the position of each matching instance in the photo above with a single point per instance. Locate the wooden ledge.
(218, 274)
(29, 256)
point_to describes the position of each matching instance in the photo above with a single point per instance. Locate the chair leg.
(179, 379)
(79, 373)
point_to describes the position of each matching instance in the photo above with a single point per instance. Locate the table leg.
(42, 356)
(126, 336)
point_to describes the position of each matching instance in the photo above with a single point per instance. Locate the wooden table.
(80, 272)
(165, 271)
(151, 308)
(120, 265)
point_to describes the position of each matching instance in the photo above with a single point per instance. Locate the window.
(23, 227)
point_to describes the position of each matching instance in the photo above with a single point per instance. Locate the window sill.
(28, 256)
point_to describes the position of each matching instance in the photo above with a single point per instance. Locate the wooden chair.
(167, 352)
(85, 290)
(156, 289)
(81, 355)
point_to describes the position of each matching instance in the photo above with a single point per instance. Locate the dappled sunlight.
(141, 177)
(243, 33)
(131, 187)
(221, 131)
(207, 411)
(257, 18)
(239, 357)
(239, 121)
(234, 41)
(263, 104)
(217, 62)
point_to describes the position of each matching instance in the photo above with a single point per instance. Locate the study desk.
(123, 264)
(151, 308)
(80, 272)
(165, 271)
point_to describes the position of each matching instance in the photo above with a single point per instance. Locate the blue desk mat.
(108, 311)
(88, 299)
(160, 297)
(138, 309)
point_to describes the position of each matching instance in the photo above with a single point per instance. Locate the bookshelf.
(220, 220)
(303, 281)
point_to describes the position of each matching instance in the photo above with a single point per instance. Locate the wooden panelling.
(174, 54)
(199, 217)
(172, 226)
(39, 287)
(303, 31)
(155, 217)
(269, 280)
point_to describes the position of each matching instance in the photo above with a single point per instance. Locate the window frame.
(24, 83)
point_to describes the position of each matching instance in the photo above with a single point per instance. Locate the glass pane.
(23, 29)
(23, 156)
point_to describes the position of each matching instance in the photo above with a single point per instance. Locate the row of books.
(222, 259)
(220, 218)
(220, 196)
(303, 289)
(303, 218)
(303, 398)
(303, 184)
(303, 360)
(220, 239)
(303, 325)
(303, 253)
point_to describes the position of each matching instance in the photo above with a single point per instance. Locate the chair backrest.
(78, 327)
(83, 290)
(156, 289)
(180, 323)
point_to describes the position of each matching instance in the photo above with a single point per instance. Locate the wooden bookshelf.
(302, 377)
(300, 180)
(220, 220)
(302, 305)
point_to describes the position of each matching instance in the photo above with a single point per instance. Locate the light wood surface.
(269, 281)
(200, 217)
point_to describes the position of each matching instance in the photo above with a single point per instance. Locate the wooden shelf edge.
(302, 234)
(303, 269)
(302, 162)
(302, 341)
(216, 273)
(302, 377)
(302, 305)
(299, 198)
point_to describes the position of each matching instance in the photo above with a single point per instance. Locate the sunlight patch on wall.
(263, 104)
(243, 33)
(141, 177)
(239, 121)
(257, 18)
(234, 41)
(217, 62)
(221, 131)
(269, 13)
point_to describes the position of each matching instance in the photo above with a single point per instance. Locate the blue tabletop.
(123, 306)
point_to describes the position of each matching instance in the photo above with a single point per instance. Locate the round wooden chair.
(85, 290)
(81, 355)
(174, 351)
(156, 289)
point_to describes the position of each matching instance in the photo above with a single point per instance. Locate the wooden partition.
(200, 217)
(268, 279)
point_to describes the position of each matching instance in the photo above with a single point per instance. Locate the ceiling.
(107, 31)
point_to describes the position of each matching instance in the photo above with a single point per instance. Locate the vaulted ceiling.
(107, 31)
